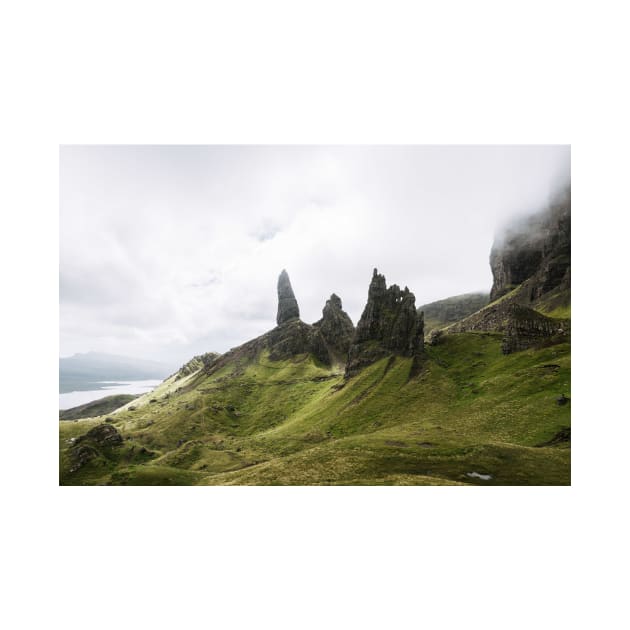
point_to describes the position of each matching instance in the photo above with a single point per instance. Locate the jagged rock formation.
(452, 309)
(389, 324)
(287, 304)
(336, 328)
(327, 340)
(535, 255)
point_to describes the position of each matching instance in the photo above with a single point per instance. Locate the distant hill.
(84, 371)
(96, 407)
(452, 309)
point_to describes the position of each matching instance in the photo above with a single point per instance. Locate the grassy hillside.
(470, 413)
(96, 407)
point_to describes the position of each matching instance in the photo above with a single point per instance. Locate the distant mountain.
(452, 309)
(84, 371)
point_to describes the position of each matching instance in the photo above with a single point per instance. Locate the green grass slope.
(469, 410)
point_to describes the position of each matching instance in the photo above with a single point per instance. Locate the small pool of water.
(479, 475)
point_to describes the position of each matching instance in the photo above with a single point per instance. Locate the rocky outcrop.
(534, 254)
(336, 328)
(327, 340)
(287, 304)
(389, 325)
(87, 447)
(525, 328)
(196, 363)
(522, 327)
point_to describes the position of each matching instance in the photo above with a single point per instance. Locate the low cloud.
(167, 252)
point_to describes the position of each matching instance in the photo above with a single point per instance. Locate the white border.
(342, 72)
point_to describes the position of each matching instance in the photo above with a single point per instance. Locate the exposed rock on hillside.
(452, 309)
(336, 328)
(196, 363)
(327, 340)
(535, 253)
(389, 324)
(287, 304)
(522, 327)
(87, 447)
(528, 329)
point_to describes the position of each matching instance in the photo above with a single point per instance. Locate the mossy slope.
(257, 421)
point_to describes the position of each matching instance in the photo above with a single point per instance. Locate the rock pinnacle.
(287, 304)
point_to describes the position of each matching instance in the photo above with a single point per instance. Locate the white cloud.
(171, 251)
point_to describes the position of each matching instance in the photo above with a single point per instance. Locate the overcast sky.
(169, 251)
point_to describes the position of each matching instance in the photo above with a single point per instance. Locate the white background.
(324, 72)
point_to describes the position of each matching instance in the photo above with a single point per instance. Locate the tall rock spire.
(287, 304)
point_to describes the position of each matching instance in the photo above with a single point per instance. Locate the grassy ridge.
(96, 407)
(470, 410)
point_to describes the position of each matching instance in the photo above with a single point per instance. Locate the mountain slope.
(470, 410)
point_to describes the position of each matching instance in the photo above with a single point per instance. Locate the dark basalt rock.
(336, 328)
(103, 435)
(389, 324)
(293, 338)
(287, 304)
(328, 340)
(535, 253)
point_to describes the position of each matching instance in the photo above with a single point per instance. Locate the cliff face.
(532, 262)
(536, 254)
(389, 324)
